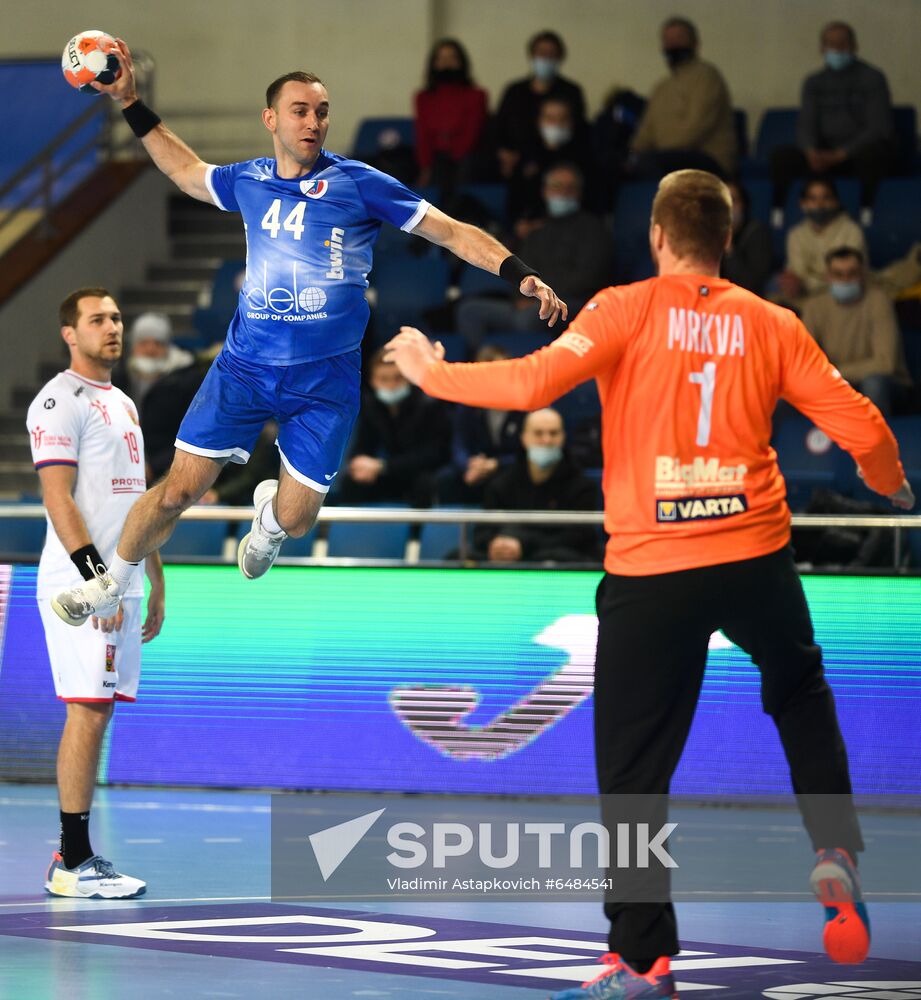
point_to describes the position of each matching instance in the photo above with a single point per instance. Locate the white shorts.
(90, 665)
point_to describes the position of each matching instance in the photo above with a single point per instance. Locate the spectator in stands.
(856, 326)
(401, 439)
(826, 227)
(543, 478)
(572, 250)
(164, 407)
(450, 115)
(748, 261)
(845, 121)
(482, 442)
(560, 139)
(516, 120)
(688, 122)
(612, 133)
(153, 355)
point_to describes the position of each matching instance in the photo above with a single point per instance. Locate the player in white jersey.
(292, 350)
(89, 453)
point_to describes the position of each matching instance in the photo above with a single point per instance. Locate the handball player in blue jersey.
(292, 350)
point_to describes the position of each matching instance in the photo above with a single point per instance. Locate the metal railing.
(897, 523)
(43, 165)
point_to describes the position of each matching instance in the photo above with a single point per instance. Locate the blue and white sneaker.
(836, 885)
(96, 878)
(620, 982)
(258, 548)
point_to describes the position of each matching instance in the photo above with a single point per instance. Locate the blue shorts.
(314, 403)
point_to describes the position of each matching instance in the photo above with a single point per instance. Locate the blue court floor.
(208, 928)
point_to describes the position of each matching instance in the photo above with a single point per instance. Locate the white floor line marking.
(222, 840)
(141, 904)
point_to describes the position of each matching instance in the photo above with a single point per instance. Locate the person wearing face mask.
(516, 125)
(688, 122)
(544, 477)
(826, 227)
(153, 355)
(748, 260)
(401, 440)
(857, 328)
(845, 121)
(450, 114)
(560, 138)
(570, 246)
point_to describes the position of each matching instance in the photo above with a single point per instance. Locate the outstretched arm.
(171, 155)
(480, 249)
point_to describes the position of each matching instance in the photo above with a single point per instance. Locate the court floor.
(208, 927)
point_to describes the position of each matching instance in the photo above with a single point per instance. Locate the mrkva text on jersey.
(706, 333)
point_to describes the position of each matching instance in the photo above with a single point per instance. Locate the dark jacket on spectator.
(750, 260)
(844, 109)
(472, 436)
(574, 255)
(512, 488)
(414, 440)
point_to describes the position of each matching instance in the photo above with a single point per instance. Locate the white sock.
(121, 572)
(269, 521)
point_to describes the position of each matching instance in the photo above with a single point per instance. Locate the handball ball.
(87, 58)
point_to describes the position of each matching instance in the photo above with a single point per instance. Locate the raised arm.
(170, 154)
(480, 249)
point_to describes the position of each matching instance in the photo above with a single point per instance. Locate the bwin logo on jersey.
(700, 508)
(314, 189)
(336, 271)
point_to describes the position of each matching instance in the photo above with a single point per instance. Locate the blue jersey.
(308, 253)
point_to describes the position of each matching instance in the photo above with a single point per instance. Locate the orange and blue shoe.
(620, 982)
(836, 885)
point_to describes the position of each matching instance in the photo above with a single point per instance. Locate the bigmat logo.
(539, 958)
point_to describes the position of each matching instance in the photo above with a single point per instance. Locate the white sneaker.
(259, 548)
(94, 879)
(97, 597)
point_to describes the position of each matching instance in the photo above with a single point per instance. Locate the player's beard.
(105, 357)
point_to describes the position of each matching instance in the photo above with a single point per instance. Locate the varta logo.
(336, 271)
(700, 508)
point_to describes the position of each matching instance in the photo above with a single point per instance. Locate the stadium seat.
(195, 538)
(905, 123)
(632, 209)
(493, 197)
(476, 281)
(809, 460)
(377, 134)
(21, 537)
(406, 287)
(896, 220)
(740, 121)
(441, 541)
(759, 194)
(367, 540)
(912, 342)
(579, 404)
(519, 344)
(455, 346)
(211, 321)
(777, 128)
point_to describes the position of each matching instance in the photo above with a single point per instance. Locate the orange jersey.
(689, 369)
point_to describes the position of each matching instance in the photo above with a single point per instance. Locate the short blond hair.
(694, 209)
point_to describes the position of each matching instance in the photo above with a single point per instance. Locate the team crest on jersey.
(131, 414)
(110, 658)
(314, 189)
(700, 508)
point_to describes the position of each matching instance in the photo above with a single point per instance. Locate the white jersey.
(94, 427)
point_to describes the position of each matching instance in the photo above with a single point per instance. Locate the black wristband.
(514, 271)
(140, 118)
(89, 562)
